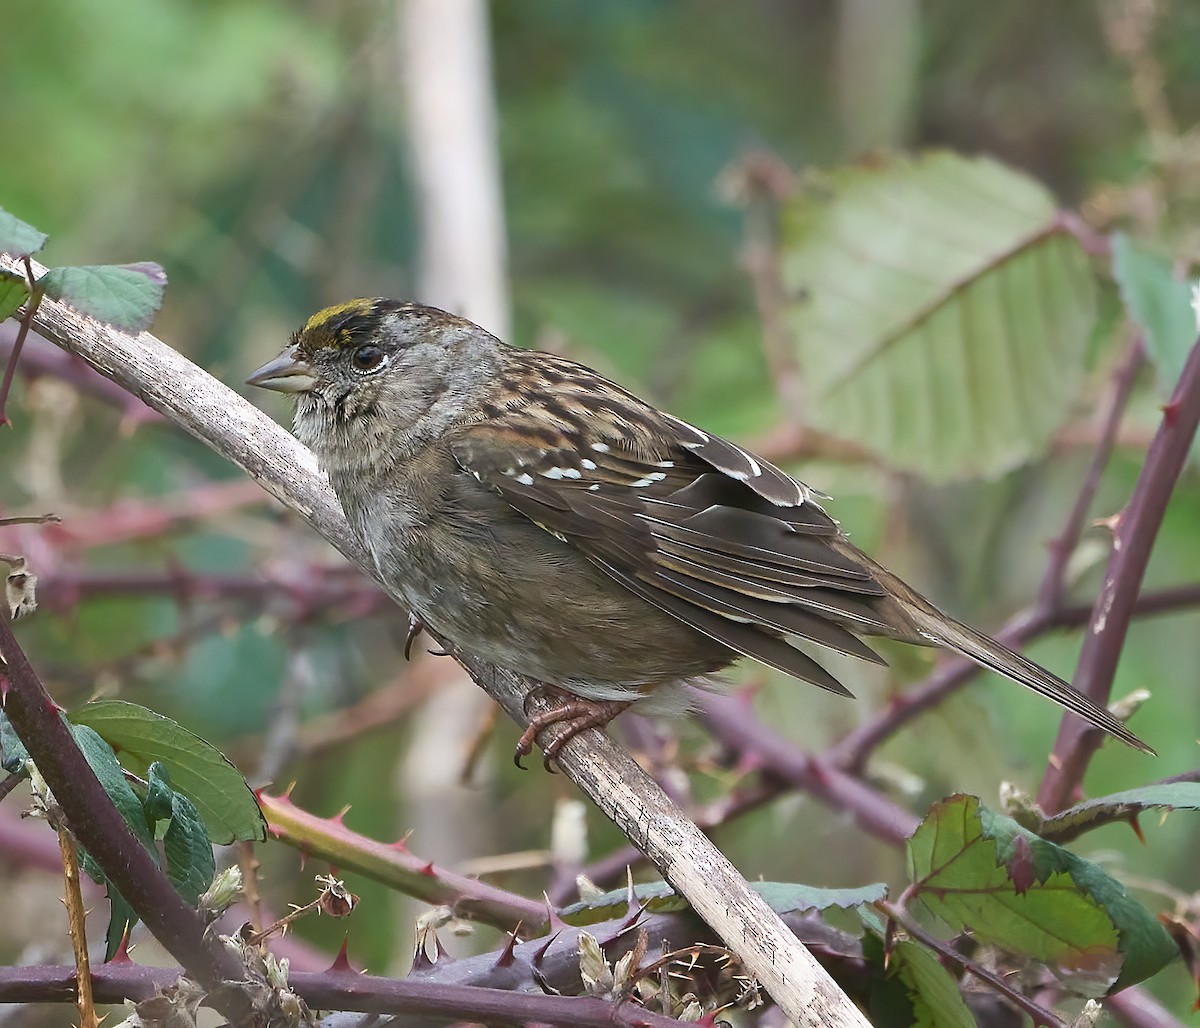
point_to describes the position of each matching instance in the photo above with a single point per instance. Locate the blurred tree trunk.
(875, 71)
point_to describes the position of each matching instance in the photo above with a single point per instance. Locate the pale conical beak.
(287, 373)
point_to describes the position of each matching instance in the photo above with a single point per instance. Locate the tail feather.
(945, 631)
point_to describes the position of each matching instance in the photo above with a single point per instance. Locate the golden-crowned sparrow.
(547, 520)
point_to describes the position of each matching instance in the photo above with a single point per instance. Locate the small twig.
(8, 784)
(1041, 1016)
(1136, 529)
(31, 519)
(77, 921)
(31, 307)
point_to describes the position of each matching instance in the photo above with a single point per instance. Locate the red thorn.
(1170, 411)
(429, 871)
(507, 957)
(284, 798)
(540, 955)
(401, 844)
(341, 963)
(443, 957)
(340, 817)
(274, 830)
(421, 960)
(633, 909)
(122, 954)
(554, 923)
(1137, 828)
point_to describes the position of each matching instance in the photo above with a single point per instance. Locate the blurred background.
(276, 157)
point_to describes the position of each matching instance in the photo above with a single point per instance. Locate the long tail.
(945, 631)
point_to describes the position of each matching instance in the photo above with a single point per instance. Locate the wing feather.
(702, 531)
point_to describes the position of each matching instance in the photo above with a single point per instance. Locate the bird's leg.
(574, 713)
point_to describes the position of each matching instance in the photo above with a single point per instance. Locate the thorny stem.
(77, 921)
(1041, 1016)
(1136, 529)
(855, 749)
(1054, 580)
(96, 823)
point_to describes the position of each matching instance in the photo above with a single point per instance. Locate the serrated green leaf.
(788, 897)
(126, 296)
(915, 989)
(13, 292)
(188, 849)
(659, 897)
(973, 868)
(940, 310)
(17, 238)
(1120, 806)
(1159, 303)
(198, 770)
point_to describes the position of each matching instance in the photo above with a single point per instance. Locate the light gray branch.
(231, 426)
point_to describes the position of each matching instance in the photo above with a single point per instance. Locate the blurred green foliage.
(256, 149)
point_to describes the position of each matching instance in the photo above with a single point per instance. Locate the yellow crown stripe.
(322, 318)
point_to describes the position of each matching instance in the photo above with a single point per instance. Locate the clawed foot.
(574, 713)
(415, 627)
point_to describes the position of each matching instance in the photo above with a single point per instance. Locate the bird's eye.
(368, 359)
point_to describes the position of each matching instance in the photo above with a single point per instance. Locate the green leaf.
(159, 793)
(1159, 303)
(126, 296)
(121, 920)
(188, 849)
(659, 897)
(915, 989)
(788, 897)
(17, 238)
(104, 763)
(199, 770)
(13, 292)
(1120, 806)
(940, 312)
(975, 869)
(15, 754)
